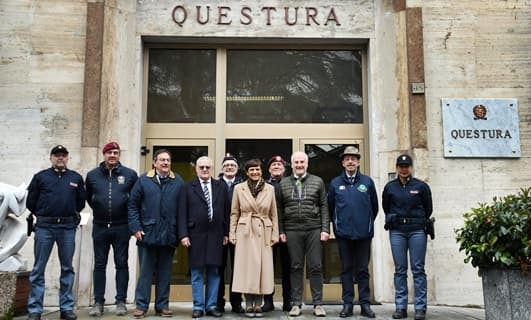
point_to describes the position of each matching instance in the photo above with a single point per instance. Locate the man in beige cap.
(353, 205)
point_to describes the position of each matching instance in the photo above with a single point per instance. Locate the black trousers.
(354, 255)
(235, 298)
(280, 250)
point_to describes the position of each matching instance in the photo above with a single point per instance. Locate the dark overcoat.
(206, 237)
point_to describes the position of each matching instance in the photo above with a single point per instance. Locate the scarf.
(255, 187)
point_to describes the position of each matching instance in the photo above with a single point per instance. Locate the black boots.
(346, 311)
(420, 314)
(366, 311)
(400, 314)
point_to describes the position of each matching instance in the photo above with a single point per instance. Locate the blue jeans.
(158, 261)
(211, 290)
(355, 255)
(44, 241)
(103, 238)
(415, 242)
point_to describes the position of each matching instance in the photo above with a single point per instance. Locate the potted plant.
(496, 238)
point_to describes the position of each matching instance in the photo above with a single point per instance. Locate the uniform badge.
(414, 192)
(73, 184)
(362, 188)
(121, 179)
(341, 187)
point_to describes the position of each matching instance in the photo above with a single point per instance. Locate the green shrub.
(498, 235)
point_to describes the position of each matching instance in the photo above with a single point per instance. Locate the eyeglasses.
(204, 167)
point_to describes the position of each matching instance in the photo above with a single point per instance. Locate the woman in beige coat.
(253, 229)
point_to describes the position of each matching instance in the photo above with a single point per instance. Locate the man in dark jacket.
(204, 209)
(152, 213)
(304, 222)
(229, 176)
(353, 204)
(276, 168)
(108, 188)
(56, 197)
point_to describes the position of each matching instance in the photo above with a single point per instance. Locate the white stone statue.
(12, 230)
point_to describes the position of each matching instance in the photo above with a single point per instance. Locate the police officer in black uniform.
(407, 204)
(56, 196)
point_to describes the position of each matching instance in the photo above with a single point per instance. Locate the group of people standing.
(252, 221)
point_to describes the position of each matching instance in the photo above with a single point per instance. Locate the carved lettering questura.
(224, 15)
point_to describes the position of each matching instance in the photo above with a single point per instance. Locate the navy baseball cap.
(59, 149)
(404, 159)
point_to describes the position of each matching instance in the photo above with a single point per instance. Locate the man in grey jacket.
(304, 222)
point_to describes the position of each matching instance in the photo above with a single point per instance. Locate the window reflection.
(294, 86)
(181, 86)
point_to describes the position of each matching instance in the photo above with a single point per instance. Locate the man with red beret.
(276, 168)
(108, 188)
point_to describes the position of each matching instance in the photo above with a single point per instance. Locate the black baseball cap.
(59, 149)
(404, 159)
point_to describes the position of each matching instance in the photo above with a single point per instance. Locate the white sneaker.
(96, 310)
(295, 311)
(319, 311)
(121, 309)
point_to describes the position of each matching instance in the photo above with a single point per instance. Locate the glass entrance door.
(184, 155)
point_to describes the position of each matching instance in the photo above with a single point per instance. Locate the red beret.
(275, 159)
(110, 146)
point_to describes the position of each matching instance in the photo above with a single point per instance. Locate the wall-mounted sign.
(481, 128)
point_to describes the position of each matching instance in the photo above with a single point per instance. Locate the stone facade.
(470, 49)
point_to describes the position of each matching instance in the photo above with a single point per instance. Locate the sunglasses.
(204, 167)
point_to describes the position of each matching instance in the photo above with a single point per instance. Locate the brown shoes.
(164, 312)
(139, 314)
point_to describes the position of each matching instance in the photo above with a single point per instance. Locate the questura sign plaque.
(481, 128)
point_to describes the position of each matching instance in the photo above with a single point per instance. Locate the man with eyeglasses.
(204, 209)
(304, 223)
(152, 214)
(229, 171)
(353, 203)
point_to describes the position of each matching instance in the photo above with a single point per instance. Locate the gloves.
(429, 227)
(31, 227)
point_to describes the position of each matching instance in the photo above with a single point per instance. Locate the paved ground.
(183, 310)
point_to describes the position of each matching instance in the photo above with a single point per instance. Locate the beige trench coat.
(254, 226)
